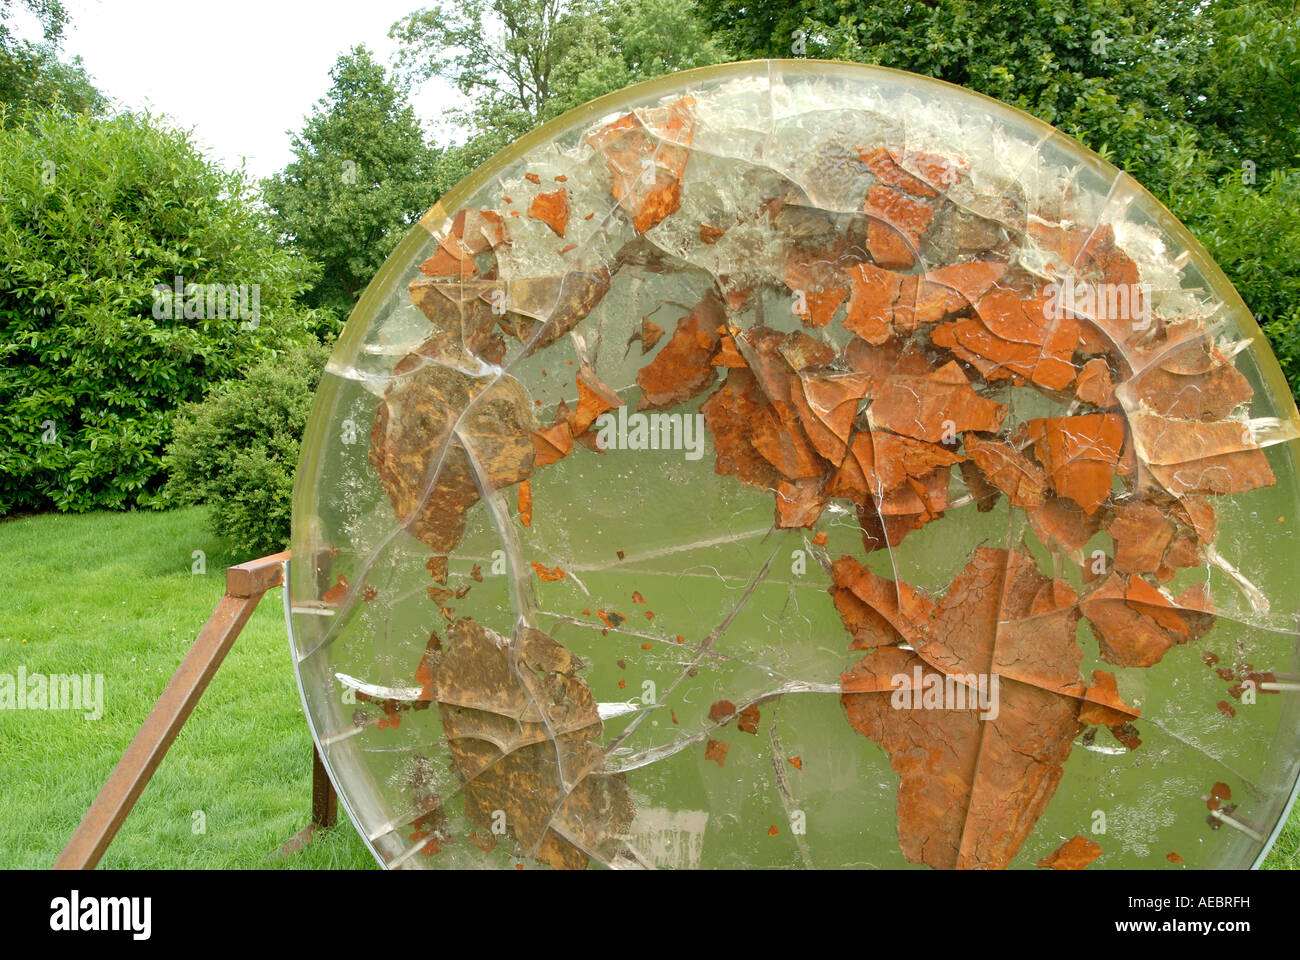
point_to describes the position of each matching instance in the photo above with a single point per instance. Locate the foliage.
(1250, 76)
(237, 450)
(362, 176)
(96, 213)
(1253, 234)
(1114, 73)
(32, 73)
(522, 62)
(626, 42)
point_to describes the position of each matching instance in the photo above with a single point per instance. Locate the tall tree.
(32, 73)
(500, 54)
(362, 175)
(521, 62)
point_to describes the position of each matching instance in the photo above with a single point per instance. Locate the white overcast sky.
(240, 73)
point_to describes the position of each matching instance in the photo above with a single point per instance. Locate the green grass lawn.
(113, 594)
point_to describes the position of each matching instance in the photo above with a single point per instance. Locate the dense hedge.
(237, 450)
(1253, 232)
(96, 212)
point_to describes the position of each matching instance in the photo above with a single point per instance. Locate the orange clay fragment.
(818, 307)
(611, 618)
(917, 172)
(683, 368)
(721, 711)
(1007, 469)
(450, 260)
(1011, 338)
(1074, 854)
(1080, 454)
(897, 221)
(710, 234)
(553, 443)
(1093, 385)
(594, 398)
(728, 355)
(1102, 703)
(729, 415)
(800, 503)
(546, 575)
(885, 304)
(552, 209)
(646, 151)
(876, 611)
(827, 406)
(1135, 624)
(650, 334)
(879, 463)
(1063, 523)
(437, 567)
(959, 805)
(887, 170)
(783, 444)
(472, 232)
(933, 408)
(716, 751)
(336, 594)
(1197, 383)
(1193, 457)
(526, 503)
(1143, 533)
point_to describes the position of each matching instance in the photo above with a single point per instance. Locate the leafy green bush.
(361, 176)
(237, 450)
(94, 362)
(1252, 231)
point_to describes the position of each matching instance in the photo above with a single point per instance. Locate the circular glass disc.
(801, 464)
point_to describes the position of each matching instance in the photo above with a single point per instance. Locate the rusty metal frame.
(246, 584)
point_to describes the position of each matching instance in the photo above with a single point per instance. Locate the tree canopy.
(361, 175)
(32, 73)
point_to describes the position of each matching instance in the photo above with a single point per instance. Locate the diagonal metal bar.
(245, 585)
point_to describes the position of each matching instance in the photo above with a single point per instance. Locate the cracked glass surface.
(794, 464)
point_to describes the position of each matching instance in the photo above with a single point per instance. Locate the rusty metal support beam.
(245, 585)
(324, 808)
(324, 801)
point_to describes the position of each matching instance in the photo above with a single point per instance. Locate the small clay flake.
(1035, 422)
(1075, 854)
(552, 209)
(647, 153)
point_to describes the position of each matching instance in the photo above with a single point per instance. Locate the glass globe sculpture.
(800, 464)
